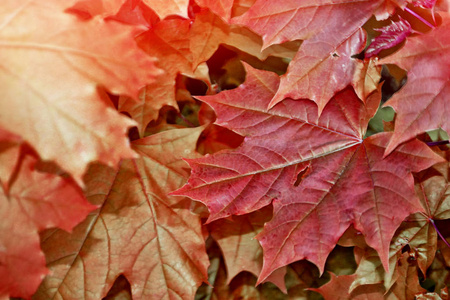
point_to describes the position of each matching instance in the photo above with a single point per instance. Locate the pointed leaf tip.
(390, 36)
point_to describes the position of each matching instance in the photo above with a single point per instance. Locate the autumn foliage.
(226, 149)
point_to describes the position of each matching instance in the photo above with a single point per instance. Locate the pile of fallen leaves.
(225, 149)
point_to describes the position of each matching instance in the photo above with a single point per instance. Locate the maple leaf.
(425, 3)
(328, 47)
(221, 8)
(182, 44)
(319, 61)
(207, 32)
(9, 156)
(165, 8)
(421, 104)
(133, 12)
(289, 20)
(338, 289)
(249, 42)
(59, 112)
(241, 6)
(366, 78)
(417, 232)
(439, 272)
(98, 7)
(151, 99)
(235, 238)
(433, 189)
(329, 156)
(153, 240)
(390, 36)
(407, 284)
(182, 48)
(35, 201)
(241, 251)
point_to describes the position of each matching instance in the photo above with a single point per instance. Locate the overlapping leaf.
(98, 7)
(319, 173)
(221, 8)
(317, 62)
(391, 35)
(35, 201)
(338, 288)
(290, 20)
(422, 104)
(236, 240)
(242, 252)
(181, 48)
(52, 70)
(326, 53)
(153, 240)
(366, 78)
(165, 8)
(9, 156)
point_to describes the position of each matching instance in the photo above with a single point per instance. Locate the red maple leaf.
(326, 55)
(422, 104)
(34, 202)
(221, 8)
(320, 173)
(391, 35)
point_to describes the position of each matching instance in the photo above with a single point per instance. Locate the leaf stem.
(438, 143)
(420, 18)
(438, 232)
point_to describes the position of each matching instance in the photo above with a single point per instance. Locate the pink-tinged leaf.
(59, 113)
(425, 3)
(264, 157)
(417, 232)
(165, 8)
(443, 5)
(35, 201)
(151, 239)
(98, 7)
(329, 204)
(319, 173)
(320, 69)
(278, 279)
(22, 263)
(388, 7)
(390, 36)
(289, 20)
(134, 12)
(366, 78)
(422, 104)
(222, 8)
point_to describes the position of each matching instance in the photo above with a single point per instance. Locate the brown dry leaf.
(366, 77)
(152, 239)
(407, 283)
